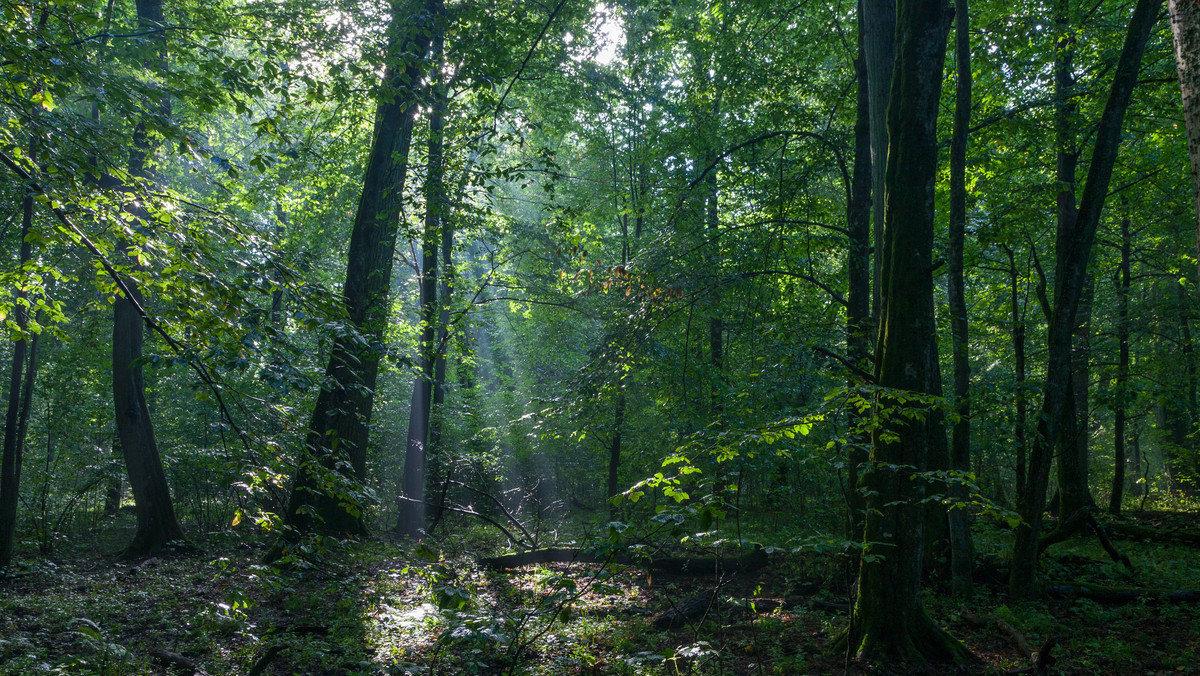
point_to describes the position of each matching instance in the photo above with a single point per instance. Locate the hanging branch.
(178, 348)
(529, 54)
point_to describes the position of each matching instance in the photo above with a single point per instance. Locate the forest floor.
(379, 608)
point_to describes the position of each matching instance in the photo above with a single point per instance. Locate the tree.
(326, 493)
(157, 526)
(858, 271)
(1121, 387)
(888, 619)
(412, 494)
(962, 558)
(1073, 250)
(20, 392)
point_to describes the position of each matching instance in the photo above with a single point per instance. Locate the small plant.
(104, 658)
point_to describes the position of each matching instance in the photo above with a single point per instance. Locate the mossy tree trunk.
(1073, 491)
(1185, 28)
(889, 621)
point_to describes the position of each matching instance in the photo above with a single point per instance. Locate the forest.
(623, 337)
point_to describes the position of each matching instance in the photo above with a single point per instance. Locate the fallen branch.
(265, 661)
(168, 658)
(1014, 636)
(1042, 660)
(1102, 536)
(471, 512)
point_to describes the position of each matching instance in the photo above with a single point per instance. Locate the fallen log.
(551, 555)
(1130, 531)
(690, 609)
(753, 560)
(1120, 595)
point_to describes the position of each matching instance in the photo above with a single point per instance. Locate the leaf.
(44, 99)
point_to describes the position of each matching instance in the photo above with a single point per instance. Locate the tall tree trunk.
(1185, 27)
(412, 506)
(1189, 356)
(1018, 340)
(1073, 251)
(858, 266)
(879, 51)
(10, 465)
(1067, 163)
(1179, 413)
(326, 492)
(277, 294)
(157, 525)
(614, 449)
(716, 324)
(888, 619)
(1121, 395)
(962, 557)
(1073, 491)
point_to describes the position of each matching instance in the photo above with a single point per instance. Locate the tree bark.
(1185, 28)
(277, 294)
(962, 557)
(1073, 251)
(326, 494)
(888, 620)
(412, 506)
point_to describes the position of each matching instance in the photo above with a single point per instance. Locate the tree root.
(920, 643)
(1073, 524)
